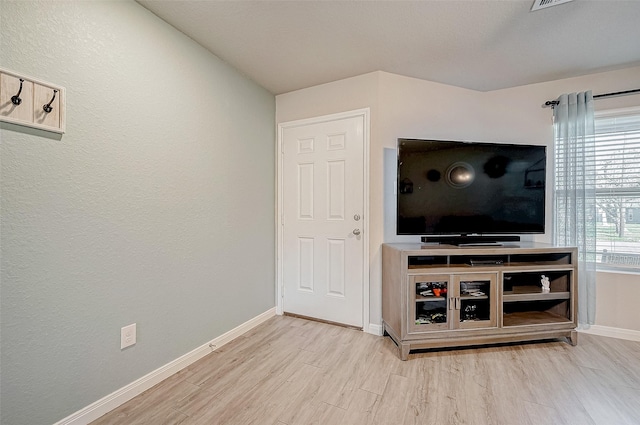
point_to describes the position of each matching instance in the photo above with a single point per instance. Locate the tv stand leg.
(404, 351)
(573, 338)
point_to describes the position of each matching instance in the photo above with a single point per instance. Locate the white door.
(323, 205)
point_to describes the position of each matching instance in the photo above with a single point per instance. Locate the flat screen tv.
(470, 188)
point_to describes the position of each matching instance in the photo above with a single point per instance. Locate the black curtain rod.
(553, 103)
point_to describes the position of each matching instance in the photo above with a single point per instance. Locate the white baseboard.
(375, 329)
(619, 333)
(126, 393)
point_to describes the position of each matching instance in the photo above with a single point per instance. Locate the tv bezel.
(463, 237)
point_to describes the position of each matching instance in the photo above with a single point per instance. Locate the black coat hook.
(16, 99)
(47, 108)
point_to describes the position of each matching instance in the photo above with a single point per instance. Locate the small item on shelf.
(474, 292)
(545, 283)
(438, 318)
(422, 287)
(422, 320)
(429, 289)
(432, 316)
(470, 313)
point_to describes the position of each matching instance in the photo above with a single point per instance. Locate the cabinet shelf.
(420, 298)
(526, 318)
(538, 264)
(473, 298)
(533, 266)
(509, 297)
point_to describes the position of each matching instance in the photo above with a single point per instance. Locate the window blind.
(617, 190)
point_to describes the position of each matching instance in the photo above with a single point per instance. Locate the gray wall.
(156, 207)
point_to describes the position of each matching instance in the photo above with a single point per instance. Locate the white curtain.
(575, 203)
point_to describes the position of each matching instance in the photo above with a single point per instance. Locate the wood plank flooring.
(291, 371)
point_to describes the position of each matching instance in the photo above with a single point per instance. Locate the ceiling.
(476, 44)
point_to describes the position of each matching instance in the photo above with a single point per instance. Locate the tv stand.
(448, 296)
(471, 240)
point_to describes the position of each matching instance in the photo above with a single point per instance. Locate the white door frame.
(364, 113)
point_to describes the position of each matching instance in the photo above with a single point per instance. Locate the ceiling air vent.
(541, 4)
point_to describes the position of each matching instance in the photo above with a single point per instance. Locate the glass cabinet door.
(429, 303)
(475, 301)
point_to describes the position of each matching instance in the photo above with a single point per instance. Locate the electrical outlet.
(127, 336)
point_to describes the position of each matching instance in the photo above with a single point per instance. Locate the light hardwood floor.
(291, 371)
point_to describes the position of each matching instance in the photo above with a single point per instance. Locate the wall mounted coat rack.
(31, 102)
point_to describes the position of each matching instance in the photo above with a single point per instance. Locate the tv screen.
(460, 188)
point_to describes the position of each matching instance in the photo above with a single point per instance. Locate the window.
(617, 182)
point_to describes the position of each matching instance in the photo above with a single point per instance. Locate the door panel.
(323, 192)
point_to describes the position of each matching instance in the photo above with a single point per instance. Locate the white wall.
(412, 108)
(617, 296)
(155, 208)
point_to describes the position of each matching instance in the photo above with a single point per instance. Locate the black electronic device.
(470, 192)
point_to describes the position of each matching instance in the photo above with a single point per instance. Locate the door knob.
(356, 232)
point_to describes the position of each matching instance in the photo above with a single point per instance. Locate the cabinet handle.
(455, 303)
